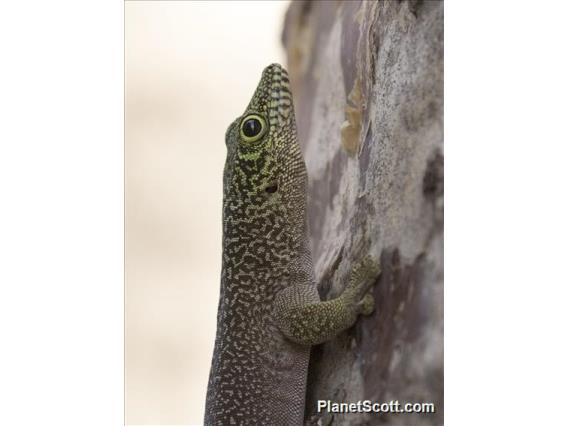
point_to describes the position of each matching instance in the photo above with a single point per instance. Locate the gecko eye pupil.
(252, 127)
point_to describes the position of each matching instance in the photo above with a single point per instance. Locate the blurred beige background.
(191, 68)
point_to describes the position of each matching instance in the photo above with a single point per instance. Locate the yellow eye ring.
(253, 127)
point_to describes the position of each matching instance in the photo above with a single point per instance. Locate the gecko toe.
(367, 304)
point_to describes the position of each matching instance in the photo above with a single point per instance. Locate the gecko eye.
(253, 128)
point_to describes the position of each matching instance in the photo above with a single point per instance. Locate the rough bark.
(367, 79)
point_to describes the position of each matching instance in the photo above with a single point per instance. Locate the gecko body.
(269, 311)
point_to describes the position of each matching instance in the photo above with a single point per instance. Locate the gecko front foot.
(367, 304)
(362, 278)
(304, 319)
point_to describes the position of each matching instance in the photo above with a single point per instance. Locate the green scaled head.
(265, 177)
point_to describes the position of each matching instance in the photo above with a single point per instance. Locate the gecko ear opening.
(271, 189)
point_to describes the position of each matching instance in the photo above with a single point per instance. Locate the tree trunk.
(367, 79)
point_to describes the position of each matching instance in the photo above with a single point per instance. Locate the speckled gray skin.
(269, 309)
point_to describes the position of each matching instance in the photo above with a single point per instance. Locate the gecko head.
(264, 171)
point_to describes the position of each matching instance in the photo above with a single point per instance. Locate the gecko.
(270, 312)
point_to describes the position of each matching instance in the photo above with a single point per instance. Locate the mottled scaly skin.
(269, 309)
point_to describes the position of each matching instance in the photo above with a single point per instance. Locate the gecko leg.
(306, 320)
